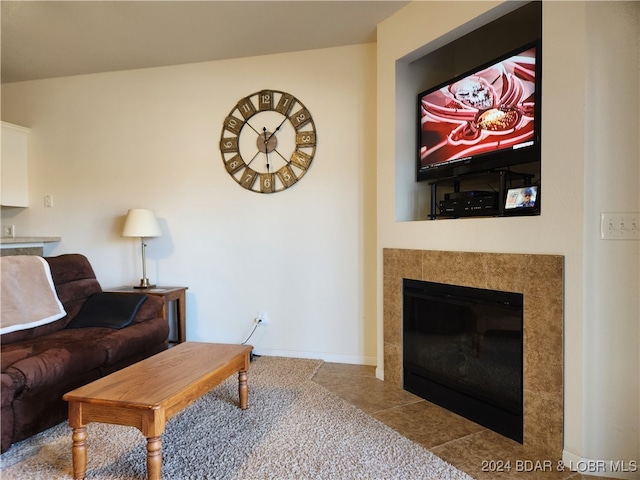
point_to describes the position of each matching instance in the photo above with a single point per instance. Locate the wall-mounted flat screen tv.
(486, 119)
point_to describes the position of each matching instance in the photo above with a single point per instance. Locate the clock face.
(268, 141)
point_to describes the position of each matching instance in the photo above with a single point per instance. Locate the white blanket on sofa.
(28, 295)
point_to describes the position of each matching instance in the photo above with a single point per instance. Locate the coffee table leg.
(154, 458)
(243, 390)
(79, 453)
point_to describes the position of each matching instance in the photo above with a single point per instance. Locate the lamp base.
(144, 283)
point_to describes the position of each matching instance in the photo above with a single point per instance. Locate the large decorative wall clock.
(268, 141)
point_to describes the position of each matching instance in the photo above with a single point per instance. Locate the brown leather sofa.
(41, 364)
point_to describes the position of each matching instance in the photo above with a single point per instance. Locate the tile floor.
(470, 447)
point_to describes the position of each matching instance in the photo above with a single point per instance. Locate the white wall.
(589, 165)
(612, 268)
(104, 143)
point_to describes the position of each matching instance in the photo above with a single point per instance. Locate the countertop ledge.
(20, 240)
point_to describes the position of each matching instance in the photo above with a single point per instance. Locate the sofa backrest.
(75, 281)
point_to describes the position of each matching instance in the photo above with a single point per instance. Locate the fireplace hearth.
(462, 349)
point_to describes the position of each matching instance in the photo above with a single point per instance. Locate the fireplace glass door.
(462, 349)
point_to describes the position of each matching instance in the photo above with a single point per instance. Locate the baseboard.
(626, 469)
(327, 357)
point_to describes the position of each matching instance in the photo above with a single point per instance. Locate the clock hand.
(266, 149)
(274, 132)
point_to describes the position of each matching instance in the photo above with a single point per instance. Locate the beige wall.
(589, 165)
(104, 143)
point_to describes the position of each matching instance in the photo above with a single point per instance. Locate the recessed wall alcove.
(540, 279)
(439, 61)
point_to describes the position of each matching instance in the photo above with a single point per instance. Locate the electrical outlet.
(620, 226)
(48, 201)
(262, 317)
(8, 231)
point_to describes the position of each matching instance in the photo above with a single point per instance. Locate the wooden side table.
(170, 294)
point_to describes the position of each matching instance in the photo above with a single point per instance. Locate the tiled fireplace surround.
(540, 279)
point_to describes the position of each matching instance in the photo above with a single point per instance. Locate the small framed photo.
(522, 200)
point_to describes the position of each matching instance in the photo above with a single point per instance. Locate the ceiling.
(45, 39)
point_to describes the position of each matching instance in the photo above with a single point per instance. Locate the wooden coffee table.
(147, 394)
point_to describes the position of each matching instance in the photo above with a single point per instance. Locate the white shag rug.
(293, 429)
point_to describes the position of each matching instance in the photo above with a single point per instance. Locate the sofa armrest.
(150, 308)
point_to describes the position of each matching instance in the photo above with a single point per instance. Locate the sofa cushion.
(74, 279)
(109, 310)
(128, 342)
(70, 267)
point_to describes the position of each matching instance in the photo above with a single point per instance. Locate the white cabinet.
(14, 189)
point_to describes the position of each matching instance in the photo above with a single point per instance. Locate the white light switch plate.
(8, 231)
(620, 226)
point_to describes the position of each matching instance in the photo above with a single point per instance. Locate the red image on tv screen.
(489, 110)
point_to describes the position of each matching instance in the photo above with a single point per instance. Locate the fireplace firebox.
(463, 350)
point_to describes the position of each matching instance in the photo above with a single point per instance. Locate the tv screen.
(483, 120)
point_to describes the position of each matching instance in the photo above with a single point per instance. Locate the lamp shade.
(141, 222)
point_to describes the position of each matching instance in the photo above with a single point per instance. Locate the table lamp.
(142, 223)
